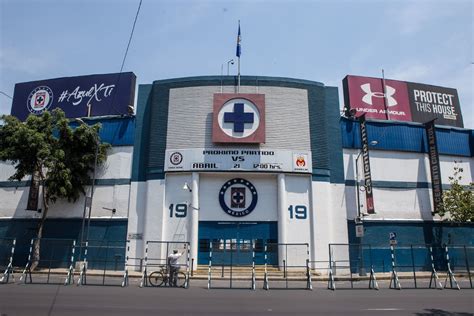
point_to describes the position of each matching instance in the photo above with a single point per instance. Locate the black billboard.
(434, 103)
(92, 95)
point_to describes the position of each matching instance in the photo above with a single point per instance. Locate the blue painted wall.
(101, 230)
(376, 249)
(117, 131)
(411, 137)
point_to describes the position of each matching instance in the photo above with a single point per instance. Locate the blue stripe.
(117, 131)
(411, 137)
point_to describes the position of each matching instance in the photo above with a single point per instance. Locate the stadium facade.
(271, 161)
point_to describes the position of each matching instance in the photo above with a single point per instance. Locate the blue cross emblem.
(238, 117)
(238, 197)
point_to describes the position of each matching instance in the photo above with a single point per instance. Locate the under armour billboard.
(402, 101)
(93, 95)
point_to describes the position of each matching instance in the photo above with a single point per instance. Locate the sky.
(429, 42)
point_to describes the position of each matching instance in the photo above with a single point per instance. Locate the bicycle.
(162, 278)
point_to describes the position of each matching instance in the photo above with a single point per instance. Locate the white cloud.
(412, 16)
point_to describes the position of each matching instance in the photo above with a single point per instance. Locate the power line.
(1, 92)
(131, 35)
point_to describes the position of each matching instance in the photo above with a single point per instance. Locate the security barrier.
(55, 255)
(409, 266)
(232, 265)
(104, 260)
(7, 250)
(156, 271)
(293, 266)
(352, 264)
(461, 258)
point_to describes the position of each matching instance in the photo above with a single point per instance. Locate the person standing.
(174, 266)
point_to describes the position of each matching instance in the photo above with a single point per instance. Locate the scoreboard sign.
(402, 101)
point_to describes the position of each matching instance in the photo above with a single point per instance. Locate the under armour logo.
(367, 98)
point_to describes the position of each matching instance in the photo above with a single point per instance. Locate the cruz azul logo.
(238, 118)
(39, 100)
(176, 158)
(369, 94)
(238, 197)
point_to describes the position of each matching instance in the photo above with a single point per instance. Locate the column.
(194, 218)
(282, 210)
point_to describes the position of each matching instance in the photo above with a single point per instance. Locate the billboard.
(107, 94)
(402, 101)
(238, 159)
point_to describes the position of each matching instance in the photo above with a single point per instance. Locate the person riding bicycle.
(174, 266)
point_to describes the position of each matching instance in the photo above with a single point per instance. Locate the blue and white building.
(271, 161)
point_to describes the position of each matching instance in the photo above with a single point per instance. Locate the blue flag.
(239, 39)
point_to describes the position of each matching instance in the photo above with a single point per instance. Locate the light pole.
(229, 63)
(88, 200)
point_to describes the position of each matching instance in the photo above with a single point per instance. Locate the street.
(43, 299)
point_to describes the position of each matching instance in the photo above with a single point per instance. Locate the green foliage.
(458, 202)
(63, 157)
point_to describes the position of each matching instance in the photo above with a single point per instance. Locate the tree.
(62, 157)
(458, 202)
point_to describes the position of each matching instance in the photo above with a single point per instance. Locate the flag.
(239, 39)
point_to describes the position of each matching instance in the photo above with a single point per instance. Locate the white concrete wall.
(118, 166)
(210, 209)
(329, 220)
(402, 167)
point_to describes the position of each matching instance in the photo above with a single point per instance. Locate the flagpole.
(238, 87)
(238, 62)
(384, 95)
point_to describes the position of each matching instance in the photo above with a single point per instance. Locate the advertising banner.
(238, 159)
(434, 165)
(402, 101)
(97, 95)
(366, 161)
(33, 194)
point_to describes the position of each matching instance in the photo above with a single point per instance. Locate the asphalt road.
(41, 299)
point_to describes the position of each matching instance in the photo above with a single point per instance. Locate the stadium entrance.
(232, 242)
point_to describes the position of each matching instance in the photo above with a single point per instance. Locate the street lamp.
(359, 224)
(229, 63)
(88, 200)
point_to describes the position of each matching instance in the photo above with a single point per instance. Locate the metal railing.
(104, 260)
(234, 262)
(7, 250)
(415, 263)
(156, 257)
(54, 254)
